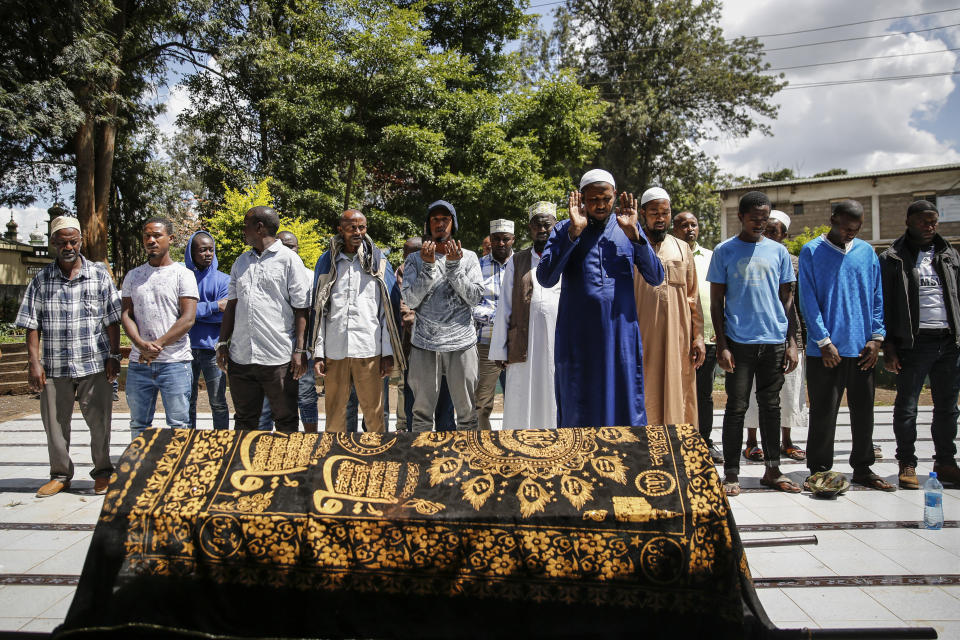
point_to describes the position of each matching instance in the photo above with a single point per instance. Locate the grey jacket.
(443, 296)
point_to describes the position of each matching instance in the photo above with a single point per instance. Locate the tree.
(777, 175)
(668, 77)
(830, 172)
(346, 104)
(92, 62)
(226, 226)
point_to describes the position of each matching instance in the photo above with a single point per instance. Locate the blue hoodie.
(212, 285)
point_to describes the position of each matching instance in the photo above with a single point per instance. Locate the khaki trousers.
(365, 373)
(95, 396)
(487, 375)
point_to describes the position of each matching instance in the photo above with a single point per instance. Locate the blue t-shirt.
(753, 273)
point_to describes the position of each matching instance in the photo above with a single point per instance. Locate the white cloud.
(177, 100)
(859, 127)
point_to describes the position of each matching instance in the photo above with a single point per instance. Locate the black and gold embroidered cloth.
(604, 532)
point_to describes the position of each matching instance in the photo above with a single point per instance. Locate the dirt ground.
(12, 407)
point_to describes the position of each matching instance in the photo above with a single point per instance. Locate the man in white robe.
(524, 331)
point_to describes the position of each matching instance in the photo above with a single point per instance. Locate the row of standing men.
(451, 322)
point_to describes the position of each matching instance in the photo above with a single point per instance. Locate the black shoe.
(715, 454)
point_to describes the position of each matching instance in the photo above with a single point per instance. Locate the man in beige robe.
(671, 320)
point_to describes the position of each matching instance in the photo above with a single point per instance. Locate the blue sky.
(859, 127)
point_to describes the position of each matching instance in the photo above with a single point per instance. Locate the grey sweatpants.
(95, 396)
(424, 375)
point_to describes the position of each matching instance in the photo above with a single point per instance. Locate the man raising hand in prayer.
(599, 375)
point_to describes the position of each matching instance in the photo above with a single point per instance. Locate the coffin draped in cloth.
(608, 532)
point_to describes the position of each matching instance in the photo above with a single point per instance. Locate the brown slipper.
(783, 483)
(873, 481)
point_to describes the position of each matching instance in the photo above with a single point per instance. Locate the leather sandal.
(873, 481)
(783, 483)
(731, 488)
(755, 454)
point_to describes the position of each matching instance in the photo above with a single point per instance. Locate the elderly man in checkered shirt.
(73, 304)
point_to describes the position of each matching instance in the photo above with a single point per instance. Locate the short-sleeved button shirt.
(267, 286)
(72, 317)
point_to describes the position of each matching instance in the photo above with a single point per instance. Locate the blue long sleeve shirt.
(841, 296)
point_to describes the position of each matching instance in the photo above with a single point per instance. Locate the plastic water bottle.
(932, 503)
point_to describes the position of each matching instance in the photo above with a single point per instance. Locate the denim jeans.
(353, 406)
(306, 401)
(172, 380)
(705, 375)
(825, 387)
(939, 358)
(763, 362)
(205, 363)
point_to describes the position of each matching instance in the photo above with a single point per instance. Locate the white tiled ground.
(864, 552)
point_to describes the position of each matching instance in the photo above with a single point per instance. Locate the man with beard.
(442, 284)
(687, 228)
(599, 374)
(921, 278)
(525, 329)
(353, 326)
(74, 306)
(492, 269)
(159, 307)
(671, 320)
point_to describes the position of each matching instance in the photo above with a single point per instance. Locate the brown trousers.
(365, 374)
(95, 396)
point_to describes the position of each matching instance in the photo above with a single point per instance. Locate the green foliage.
(830, 172)
(777, 176)
(371, 105)
(226, 225)
(796, 243)
(668, 77)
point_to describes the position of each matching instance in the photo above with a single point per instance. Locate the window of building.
(798, 209)
(929, 196)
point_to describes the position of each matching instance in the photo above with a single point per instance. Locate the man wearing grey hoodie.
(442, 283)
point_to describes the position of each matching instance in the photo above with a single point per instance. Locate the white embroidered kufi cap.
(781, 217)
(64, 222)
(501, 226)
(541, 208)
(597, 175)
(654, 193)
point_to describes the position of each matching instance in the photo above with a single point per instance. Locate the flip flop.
(754, 454)
(794, 452)
(873, 481)
(783, 483)
(731, 488)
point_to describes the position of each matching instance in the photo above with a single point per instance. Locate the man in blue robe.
(599, 372)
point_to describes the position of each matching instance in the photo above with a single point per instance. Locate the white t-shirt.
(156, 293)
(933, 313)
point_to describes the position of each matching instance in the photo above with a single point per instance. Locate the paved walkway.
(873, 567)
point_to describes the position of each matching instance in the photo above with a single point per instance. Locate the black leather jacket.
(900, 289)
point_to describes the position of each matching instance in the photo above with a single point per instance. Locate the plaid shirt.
(72, 317)
(486, 311)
